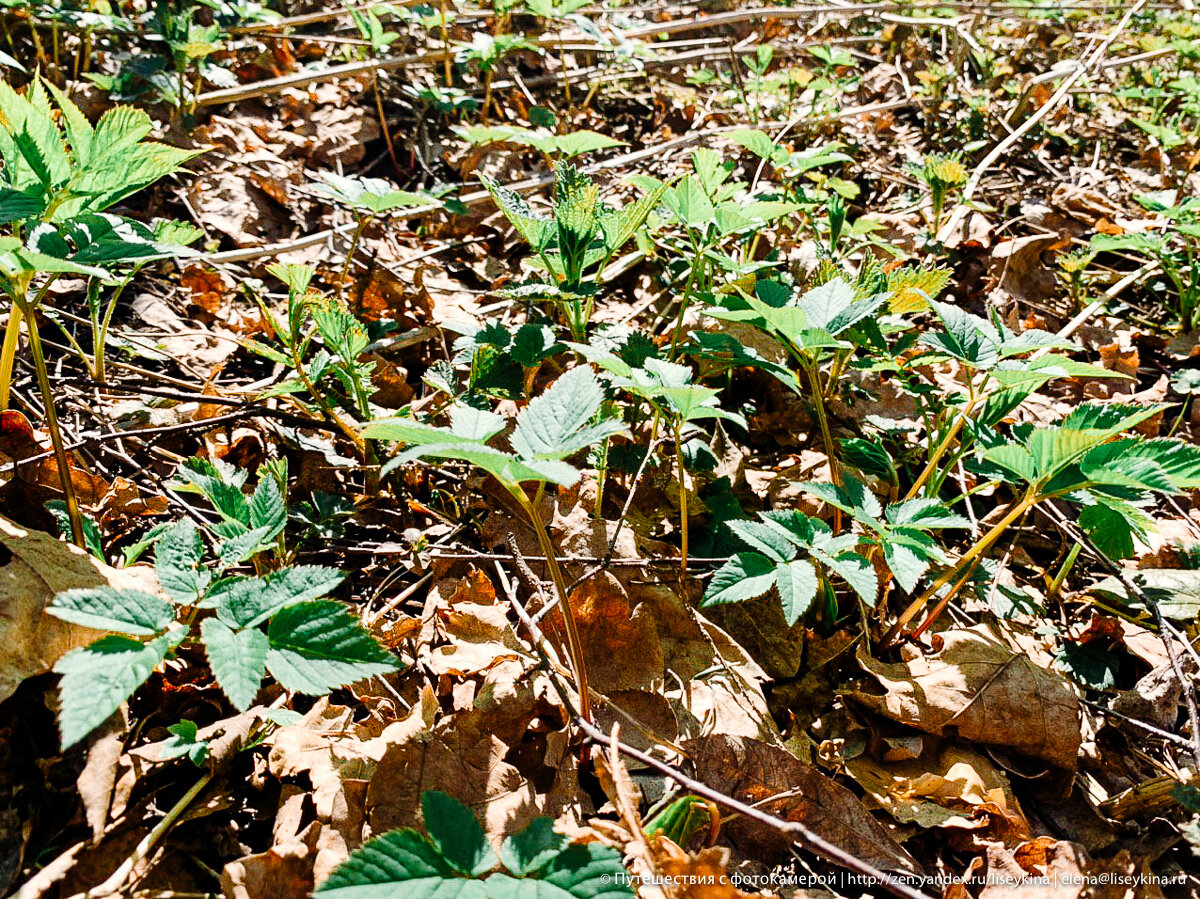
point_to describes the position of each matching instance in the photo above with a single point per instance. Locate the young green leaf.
(249, 601)
(107, 609)
(238, 659)
(177, 563)
(98, 678)
(745, 576)
(319, 646)
(456, 834)
(797, 584)
(401, 862)
(554, 424)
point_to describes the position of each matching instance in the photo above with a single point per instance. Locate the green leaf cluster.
(310, 644)
(557, 424)
(453, 858)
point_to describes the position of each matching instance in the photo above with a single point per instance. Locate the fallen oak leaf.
(780, 784)
(981, 690)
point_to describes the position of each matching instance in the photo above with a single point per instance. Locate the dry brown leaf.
(700, 875)
(38, 567)
(754, 772)
(954, 788)
(282, 872)
(979, 689)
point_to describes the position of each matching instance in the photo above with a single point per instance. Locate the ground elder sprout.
(280, 622)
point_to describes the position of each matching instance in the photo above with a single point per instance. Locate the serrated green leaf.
(797, 584)
(774, 542)
(456, 834)
(98, 678)
(967, 337)
(690, 203)
(906, 564)
(268, 511)
(505, 467)
(532, 848)
(581, 871)
(401, 862)
(177, 563)
(108, 609)
(238, 659)
(319, 646)
(745, 576)
(553, 425)
(855, 571)
(246, 602)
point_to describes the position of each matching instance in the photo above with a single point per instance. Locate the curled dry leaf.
(978, 688)
(36, 566)
(754, 772)
(955, 788)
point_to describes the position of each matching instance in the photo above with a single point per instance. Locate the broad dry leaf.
(981, 690)
(36, 568)
(754, 772)
(282, 872)
(955, 787)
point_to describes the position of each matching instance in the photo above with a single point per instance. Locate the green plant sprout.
(486, 51)
(57, 182)
(668, 388)
(1083, 460)
(942, 174)
(555, 425)
(368, 199)
(310, 315)
(310, 645)
(575, 243)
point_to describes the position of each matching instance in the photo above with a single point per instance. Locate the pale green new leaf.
(745, 576)
(238, 659)
(98, 678)
(535, 230)
(248, 601)
(177, 563)
(554, 424)
(797, 583)
(319, 646)
(107, 609)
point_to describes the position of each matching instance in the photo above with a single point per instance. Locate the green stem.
(358, 232)
(697, 264)
(1015, 511)
(943, 446)
(60, 451)
(574, 643)
(683, 510)
(8, 354)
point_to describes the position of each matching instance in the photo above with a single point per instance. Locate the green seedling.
(453, 858)
(59, 177)
(278, 622)
(555, 425)
(575, 243)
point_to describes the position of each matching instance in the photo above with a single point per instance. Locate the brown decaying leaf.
(38, 567)
(754, 772)
(978, 688)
